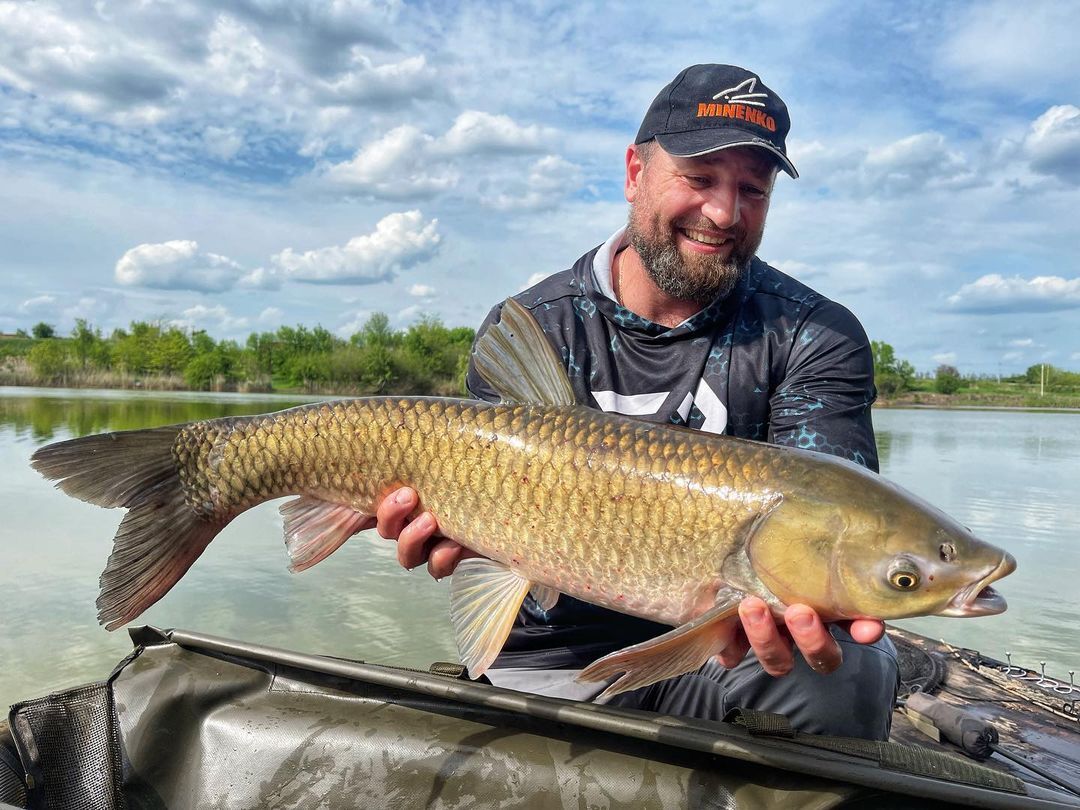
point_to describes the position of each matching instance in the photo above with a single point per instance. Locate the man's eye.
(697, 181)
(753, 191)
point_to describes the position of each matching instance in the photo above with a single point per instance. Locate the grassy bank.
(986, 394)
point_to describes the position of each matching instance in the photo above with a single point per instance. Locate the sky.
(239, 165)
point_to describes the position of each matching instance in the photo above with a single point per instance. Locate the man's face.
(696, 222)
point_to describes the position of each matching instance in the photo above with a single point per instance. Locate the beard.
(698, 278)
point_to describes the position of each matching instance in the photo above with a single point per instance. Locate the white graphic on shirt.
(706, 400)
(630, 404)
(714, 411)
(733, 95)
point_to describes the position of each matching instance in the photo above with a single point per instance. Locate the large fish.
(657, 521)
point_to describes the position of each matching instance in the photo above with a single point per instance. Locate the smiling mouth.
(979, 599)
(705, 238)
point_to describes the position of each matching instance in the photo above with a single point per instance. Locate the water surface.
(1010, 476)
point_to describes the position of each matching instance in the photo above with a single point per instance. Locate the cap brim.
(700, 142)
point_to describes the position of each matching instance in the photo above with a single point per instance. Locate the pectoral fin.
(545, 597)
(682, 650)
(314, 529)
(485, 597)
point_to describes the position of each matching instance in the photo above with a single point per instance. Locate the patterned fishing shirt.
(773, 361)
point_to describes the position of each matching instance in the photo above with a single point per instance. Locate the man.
(674, 319)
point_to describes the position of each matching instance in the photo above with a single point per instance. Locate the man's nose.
(721, 205)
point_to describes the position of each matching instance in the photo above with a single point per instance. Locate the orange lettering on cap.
(701, 109)
(770, 123)
(740, 111)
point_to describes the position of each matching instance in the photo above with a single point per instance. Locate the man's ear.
(634, 167)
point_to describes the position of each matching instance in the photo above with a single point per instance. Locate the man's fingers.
(770, 647)
(394, 511)
(736, 647)
(866, 631)
(445, 556)
(412, 540)
(813, 639)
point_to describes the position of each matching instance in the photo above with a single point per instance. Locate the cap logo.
(732, 94)
(740, 105)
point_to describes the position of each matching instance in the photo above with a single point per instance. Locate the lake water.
(1012, 477)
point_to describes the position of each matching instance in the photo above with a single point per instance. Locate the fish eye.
(948, 552)
(904, 580)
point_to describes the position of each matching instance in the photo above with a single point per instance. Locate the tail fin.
(160, 536)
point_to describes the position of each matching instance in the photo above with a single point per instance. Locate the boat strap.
(913, 759)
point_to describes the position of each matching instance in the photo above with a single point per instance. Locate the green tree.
(947, 380)
(171, 352)
(88, 346)
(891, 376)
(43, 331)
(51, 359)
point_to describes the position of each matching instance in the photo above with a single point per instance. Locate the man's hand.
(418, 539)
(772, 644)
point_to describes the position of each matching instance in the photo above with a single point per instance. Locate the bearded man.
(674, 319)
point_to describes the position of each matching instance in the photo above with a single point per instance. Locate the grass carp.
(657, 521)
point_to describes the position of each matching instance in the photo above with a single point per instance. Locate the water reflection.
(45, 414)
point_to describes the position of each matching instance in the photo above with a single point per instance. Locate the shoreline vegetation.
(425, 359)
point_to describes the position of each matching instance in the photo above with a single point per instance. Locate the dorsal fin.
(516, 359)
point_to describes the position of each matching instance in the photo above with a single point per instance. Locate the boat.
(190, 720)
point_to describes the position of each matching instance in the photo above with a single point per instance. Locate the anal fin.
(679, 651)
(485, 597)
(315, 529)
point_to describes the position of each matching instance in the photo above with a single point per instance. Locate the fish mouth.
(979, 599)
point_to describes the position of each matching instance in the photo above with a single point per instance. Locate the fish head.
(883, 554)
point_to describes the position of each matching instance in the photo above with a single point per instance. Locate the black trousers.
(854, 701)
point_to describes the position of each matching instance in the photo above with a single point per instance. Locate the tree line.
(426, 358)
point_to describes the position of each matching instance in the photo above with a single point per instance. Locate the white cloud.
(474, 131)
(409, 313)
(421, 290)
(946, 358)
(1053, 143)
(1027, 49)
(211, 318)
(407, 163)
(271, 315)
(222, 142)
(1022, 343)
(400, 240)
(913, 163)
(550, 180)
(176, 265)
(387, 85)
(995, 293)
(38, 303)
(237, 60)
(397, 166)
(42, 51)
(535, 278)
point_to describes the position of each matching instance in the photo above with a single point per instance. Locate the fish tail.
(160, 536)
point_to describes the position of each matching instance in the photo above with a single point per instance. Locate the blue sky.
(235, 166)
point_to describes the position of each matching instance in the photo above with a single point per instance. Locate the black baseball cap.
(712, 107)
